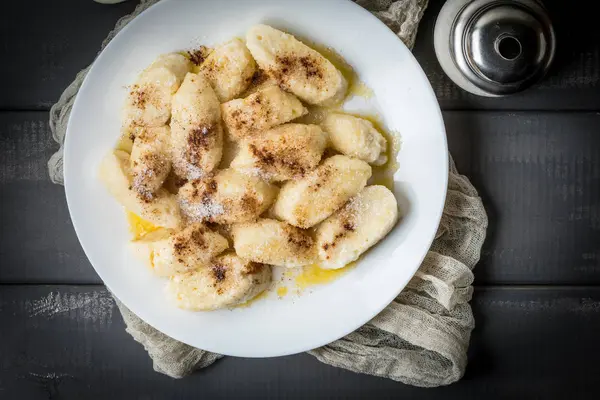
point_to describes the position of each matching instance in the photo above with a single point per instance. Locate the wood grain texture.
(37, 240)
(538, 173)
(43, 44)
(539, 177)
(68, 342)
(47, 45)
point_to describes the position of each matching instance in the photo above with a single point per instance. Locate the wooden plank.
(539, 177)
(70, 342)
(55, 42)
(43, 45)
(538, 173)
(37, 240)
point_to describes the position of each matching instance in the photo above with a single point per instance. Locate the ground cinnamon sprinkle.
(348, 223)
(311, 67)
(332, 244)
(298, 238)
(207, 197)
(151, 165)
(258, 78)
(219, 272)
(199, 202)
(197, 56)
(179, 245)
(198, 238)
(288, 65)
(264, 157)
(199, 138)
(249, 203)
(138, 95)
(186, 243)
(267, 161)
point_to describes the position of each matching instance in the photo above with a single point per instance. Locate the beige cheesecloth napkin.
(422, 337)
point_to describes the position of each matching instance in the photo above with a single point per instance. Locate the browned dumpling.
(115, 173)
(360, 224)
(286, 152)
(196, 131)
(228, 281)
(295, 66)
(180, 251)
(226, 197)
(356, 137)
(306, 202)
(229, 69)
(150, 160)
(274, 242)
(267, 108)
(148, 102)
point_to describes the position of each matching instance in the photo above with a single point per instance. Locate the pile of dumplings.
(290, 194)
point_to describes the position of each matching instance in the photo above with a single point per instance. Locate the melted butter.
(335, 58)
(316, 115)
(360, 89)
(152, 259)
(355, 86)
(204, 52)
(138, 226)
(313, 275)
(384, 174)
(282, 291)
(253, 300)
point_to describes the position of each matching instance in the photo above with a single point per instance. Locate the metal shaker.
(494, 47)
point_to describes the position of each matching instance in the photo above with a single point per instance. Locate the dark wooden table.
(534, 157)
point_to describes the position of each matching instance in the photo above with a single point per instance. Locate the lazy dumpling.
(227, 197)
(268, 107)
(229, 69)
(228, 281)
(148, 102)
(150, 160)
(307, 201)
(356, 137)
(286, 152)
(170, 253)
(274, 242)
(360, 224)
(295, 66)
(196, 131)
(162, 210)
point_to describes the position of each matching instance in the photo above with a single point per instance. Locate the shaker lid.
(502, 46)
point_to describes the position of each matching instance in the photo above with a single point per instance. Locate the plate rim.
(142, 314)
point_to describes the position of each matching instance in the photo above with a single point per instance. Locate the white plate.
(270, 327)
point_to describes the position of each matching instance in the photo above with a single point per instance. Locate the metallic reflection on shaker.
(494, 47)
